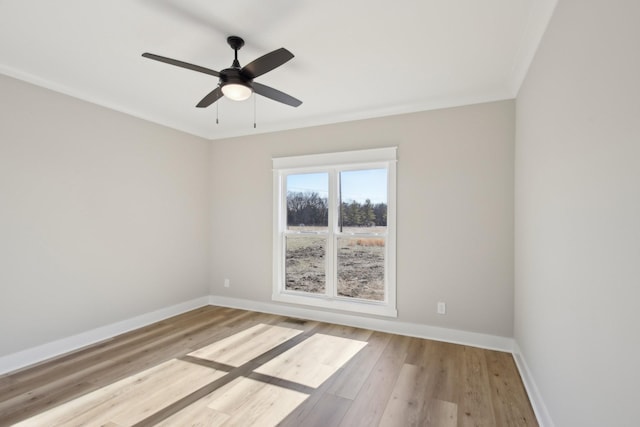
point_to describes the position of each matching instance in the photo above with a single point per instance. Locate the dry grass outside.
(366, 242)
(347, 230)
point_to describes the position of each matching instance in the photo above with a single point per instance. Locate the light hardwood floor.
(218, 366)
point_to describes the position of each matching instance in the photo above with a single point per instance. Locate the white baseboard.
(46, 351)
(540, 409)
(491, 342)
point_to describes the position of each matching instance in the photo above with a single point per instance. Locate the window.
(334, 230)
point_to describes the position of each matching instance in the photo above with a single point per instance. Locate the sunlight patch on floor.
(262, 396)
(242, 402)
(313, 361)
(244, 346)
(131, 399)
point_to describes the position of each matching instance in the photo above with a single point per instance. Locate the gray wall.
(577, 295)
(455, 210)
(102, 216)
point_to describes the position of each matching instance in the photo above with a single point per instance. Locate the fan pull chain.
(254, 110)
(217, 105)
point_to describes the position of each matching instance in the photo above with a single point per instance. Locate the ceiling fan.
(237, 82)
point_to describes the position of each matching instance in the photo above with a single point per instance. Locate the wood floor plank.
(440, 413)
(441, 362)
(512, 408)
(196, 415)
(348, 332)
(353, 376)
(406, 403)
(369, 404)
(476, 406)
(266, 405)
(217, 366)
(328, 411)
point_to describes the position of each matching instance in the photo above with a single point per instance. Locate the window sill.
(321, 301)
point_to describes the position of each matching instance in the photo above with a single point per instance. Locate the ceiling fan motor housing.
(233, 76)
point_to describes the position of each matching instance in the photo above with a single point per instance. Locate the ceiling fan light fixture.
(236, 91)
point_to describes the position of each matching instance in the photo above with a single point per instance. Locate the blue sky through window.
(357, 185)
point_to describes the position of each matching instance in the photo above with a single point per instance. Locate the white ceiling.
(354, 59)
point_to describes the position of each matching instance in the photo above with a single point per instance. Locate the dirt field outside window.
(360, 264)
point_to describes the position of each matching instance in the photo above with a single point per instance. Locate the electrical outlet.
(227, 283)
(442, 308)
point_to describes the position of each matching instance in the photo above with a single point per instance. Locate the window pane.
(363, 201)
(361, 267)
(307, 201)
(305, 263)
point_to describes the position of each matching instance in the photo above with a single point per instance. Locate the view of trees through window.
(307, 208)
(311, 209)
(367, 214)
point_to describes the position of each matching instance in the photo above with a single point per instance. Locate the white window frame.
(334, 163)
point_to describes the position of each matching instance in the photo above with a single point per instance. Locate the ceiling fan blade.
(266, 63)
(275, 94)
(211, 97)
(181, 64)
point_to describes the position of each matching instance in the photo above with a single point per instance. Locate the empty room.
(296, 213)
